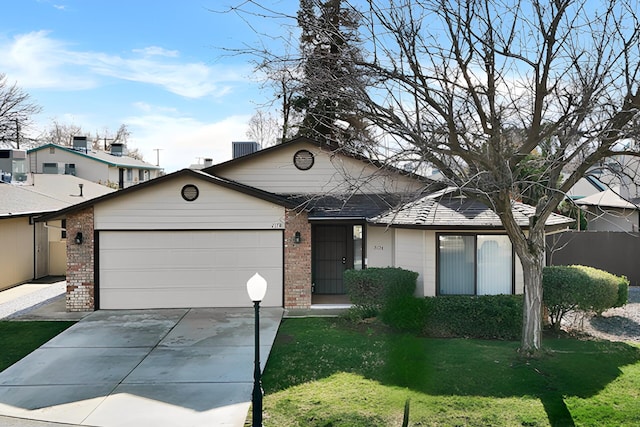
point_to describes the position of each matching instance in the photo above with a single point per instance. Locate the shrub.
(623, 291)
(577, 287)
(405, 313)
(371, 289)
(486, 316)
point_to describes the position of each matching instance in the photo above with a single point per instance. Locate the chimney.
(208, 162)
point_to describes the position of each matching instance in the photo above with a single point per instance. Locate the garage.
(187, 268)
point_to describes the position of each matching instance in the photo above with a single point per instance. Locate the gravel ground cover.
(616, 324)
(31, 300)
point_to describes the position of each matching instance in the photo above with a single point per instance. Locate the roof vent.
(243, 148)
(80, 143)
(117, 149)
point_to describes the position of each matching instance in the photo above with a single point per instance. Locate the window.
(141, 174)
(129, 175)
(474, 264)
(358, 261)
(63, 231)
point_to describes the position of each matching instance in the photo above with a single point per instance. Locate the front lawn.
(17, 339)
(326, 372)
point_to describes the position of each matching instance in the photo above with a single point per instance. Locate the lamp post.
(257, 288)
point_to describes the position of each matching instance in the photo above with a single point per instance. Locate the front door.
(332, 255)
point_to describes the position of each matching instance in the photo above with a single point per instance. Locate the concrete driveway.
(179, 367)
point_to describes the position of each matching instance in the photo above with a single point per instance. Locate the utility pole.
(17, 134)
(157, 150)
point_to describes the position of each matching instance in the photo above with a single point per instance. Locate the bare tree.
(16, 111)
(486, 89)
(63, 133)
(60, 133)
(263, 129)
(455, 78)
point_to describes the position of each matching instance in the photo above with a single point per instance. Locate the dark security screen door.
(332, 255)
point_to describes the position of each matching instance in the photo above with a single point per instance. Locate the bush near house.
(581, 288)
(485, 316)
(448, 316)
(389, 294)
(370, 290)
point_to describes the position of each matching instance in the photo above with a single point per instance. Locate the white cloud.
(183, 140)
(157, 51)
(36, 60)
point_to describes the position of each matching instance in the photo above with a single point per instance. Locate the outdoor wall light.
(297, 238)
(78, 238)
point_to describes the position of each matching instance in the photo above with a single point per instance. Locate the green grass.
(326, 372)
(17, 339)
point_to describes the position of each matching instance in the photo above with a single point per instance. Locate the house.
(32, 250)
(111, 168)
(299, 213)
(608, 211)
(603, 207)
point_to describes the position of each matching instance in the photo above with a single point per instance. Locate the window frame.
(475, 264)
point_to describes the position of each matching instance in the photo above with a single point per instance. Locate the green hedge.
(370, 290)
(486, 316)
(581, 288)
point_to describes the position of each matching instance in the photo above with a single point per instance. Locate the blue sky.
(155, 66)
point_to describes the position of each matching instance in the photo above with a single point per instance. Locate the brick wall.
(297, 260)
(80, 262)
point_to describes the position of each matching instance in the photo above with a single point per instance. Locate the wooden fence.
(612, 251)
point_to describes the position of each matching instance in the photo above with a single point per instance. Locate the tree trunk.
(532, 265)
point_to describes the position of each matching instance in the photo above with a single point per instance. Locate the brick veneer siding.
(80, 262)
(297, 260)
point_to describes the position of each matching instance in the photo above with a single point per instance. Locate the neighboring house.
(608, 211)
(113, 168)
(32, 250)
(586, 186)
(298, 213)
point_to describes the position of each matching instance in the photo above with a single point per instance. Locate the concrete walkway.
(180, 367)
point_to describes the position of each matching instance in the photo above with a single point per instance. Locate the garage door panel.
(171, 269)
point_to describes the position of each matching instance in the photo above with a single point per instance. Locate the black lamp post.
(257, 288)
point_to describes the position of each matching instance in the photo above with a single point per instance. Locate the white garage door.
(175, 269)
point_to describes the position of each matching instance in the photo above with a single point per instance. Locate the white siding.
(276, 173)
(86, 168)
(163, 208)
(175, 269)
(430, 263)
(410, 254)
(379, 246)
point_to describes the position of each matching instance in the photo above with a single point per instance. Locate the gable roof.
(102, 157)
(254, 192)
(343, 207)
(448, 209)
(332, 148)
(46, 193)
(607, 198)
